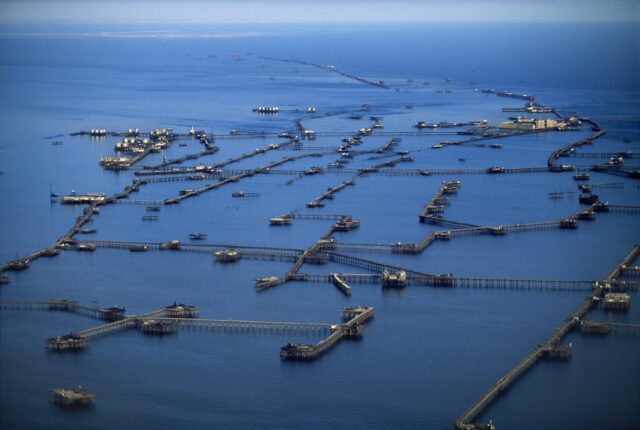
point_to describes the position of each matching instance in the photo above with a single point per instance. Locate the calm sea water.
(429, 353)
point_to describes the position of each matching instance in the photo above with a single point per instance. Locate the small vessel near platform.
(174, 244)
(226, 256)
(138, 248)
(267, 109)
(90, 247)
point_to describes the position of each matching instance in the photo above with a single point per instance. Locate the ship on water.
(76, 199)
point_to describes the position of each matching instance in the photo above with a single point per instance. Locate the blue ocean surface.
(429, 353)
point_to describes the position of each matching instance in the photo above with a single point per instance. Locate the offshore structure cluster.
(610, 293)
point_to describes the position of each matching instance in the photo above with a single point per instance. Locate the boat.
(197, 236)
(4, 279)
(138, 248)
(174, 244)
(86, 247)
(74, 198)
(268, 109)
(313, 170)
(226, 256)
(88, 230)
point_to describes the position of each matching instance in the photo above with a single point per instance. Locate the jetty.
(204, 152)
(72, 397)
(549, 349)
(330, 68)
(352, 329)
(437, 202)
(167, 319)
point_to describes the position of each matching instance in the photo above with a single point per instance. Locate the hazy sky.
(239, 11)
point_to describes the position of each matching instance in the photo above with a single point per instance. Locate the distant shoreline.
(138, 35)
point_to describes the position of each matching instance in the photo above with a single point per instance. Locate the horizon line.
(290, 22)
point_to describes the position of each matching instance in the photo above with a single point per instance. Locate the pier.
(72, 398)
(166, 320)
(108, 314)
(236, 178)
(550, 348)
(196, 247)
(157, 170)
(603, 328)
(352, 329)
(598, 132)
(459, 229)
(607, 155)
(317, 202)
(437, 202)
(485, 135)
(330, 68)
(180, 160)
(448, 280)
